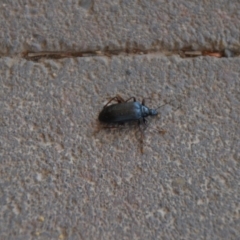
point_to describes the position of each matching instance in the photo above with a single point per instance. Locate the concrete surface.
(124, 24)
(59, 178)
(62, 176)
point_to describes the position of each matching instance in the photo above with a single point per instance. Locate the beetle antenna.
(166, 104)
(161, 106)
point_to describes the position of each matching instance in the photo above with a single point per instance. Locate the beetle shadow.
(137, 127)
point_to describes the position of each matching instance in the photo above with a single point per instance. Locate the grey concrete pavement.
(63, 177)
(96, 25)
(60, 179)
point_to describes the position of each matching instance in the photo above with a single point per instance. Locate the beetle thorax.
(145, 111)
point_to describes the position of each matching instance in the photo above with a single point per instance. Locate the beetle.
(125, 111)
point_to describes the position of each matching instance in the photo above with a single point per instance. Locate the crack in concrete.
(184, 53)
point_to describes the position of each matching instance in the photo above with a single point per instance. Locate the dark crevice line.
(184, 53)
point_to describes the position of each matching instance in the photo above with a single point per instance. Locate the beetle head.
(148, 112)
(153, 112)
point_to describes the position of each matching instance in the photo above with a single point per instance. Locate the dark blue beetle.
(125, 111)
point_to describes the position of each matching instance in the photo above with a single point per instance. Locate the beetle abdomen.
(121, 112)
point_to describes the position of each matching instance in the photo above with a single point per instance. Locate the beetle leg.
(117, 99)
(142, 135)
(145, 121)
(143, 101)
(134, 99)
(120, 99)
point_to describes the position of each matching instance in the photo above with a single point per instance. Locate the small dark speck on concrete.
(128, 72)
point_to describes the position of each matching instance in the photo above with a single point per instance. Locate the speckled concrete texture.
(62, 177)
(28, 25)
